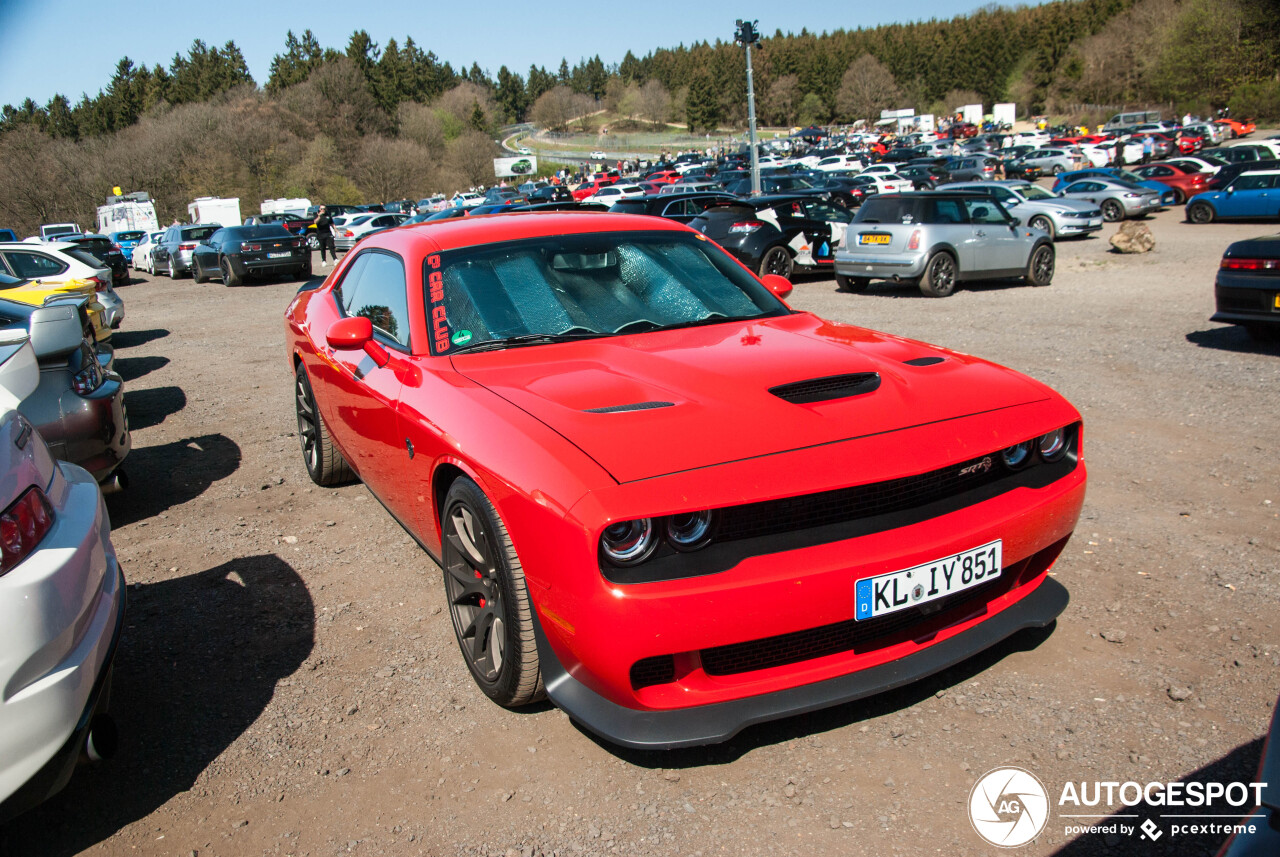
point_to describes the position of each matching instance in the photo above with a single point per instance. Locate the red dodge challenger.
(660, 496)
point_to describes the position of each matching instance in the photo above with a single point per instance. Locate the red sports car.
(660, 496)
(1185, 182)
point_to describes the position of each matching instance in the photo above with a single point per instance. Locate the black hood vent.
(828, 388)
(635, 406)
(924, 361)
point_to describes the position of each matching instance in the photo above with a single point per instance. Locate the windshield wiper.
(529, 339)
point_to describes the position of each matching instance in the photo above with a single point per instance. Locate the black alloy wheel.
(229, 277)
(1112, 211)
(939, 280)
(197, 273)
(1200, 212)
(488, 599)
(777, 261)
(325, 464)
(1041, 265)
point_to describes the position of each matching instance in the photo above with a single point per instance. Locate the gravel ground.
(288, 682)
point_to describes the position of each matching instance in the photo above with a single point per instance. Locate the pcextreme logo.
(1008, 807)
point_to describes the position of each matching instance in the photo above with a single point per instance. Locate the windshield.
(586, 286)
(129, 236)
(199, 233)
(1032, 191)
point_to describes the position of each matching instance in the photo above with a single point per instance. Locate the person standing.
(1148, 148)
(324, 234)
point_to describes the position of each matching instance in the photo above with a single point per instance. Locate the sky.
(52, 46)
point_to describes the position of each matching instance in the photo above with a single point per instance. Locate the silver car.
(355, 228)
(1039, 208)
(936, 240)
(1054, 161)
(1116, 198)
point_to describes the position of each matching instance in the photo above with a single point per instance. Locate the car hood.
(701, 396)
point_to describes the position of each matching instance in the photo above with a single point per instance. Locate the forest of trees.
(371, 122)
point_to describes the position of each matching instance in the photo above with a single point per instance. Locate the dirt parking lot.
(288, 682)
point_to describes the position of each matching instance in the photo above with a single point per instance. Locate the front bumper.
(1072, 226)
(881, 267)
(61, 613)
(710, 724)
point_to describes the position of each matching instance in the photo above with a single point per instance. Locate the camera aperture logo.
(1008, 807)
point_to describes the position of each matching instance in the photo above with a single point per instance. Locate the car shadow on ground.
(837, 717)
(130, 338)
(198, 663)
(1238, 766)
(1232, 338)
(170, 474)
(132, 368)
(889, 289)
(149, 407)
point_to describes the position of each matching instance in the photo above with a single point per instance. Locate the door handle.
(981, 234)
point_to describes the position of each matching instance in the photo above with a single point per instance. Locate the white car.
(1097, 157)
(58, 262)
(466, 199)
(1032, 138)
(598, 155)
(61, 604)
(525, 150)
(141, 258)
(609, 194)
(346, 235)
(881, 170)
(1132, 150)
(886, 183)
(1194, 164)
(839, 162)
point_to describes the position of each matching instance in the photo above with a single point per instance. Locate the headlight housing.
(689, 531)
(1053, 445)
(627, 543)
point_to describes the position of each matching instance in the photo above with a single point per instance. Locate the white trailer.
(213, 209)
(297, 206)
(972, 113)
(1004, 114)
(128, 212)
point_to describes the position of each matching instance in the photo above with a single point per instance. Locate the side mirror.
(349, 334)
(779, 285)
(1015, 222)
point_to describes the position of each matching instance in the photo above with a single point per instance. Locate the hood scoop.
(634, 406)
(828, 388)
(924, 361)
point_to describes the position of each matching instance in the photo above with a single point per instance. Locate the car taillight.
(22, 526)
(1230, 264)
(115, 248)
(90, 377)
(746, 226)
(251, 247)
(186, 246)
(347, 233)
(99, 285)
(914, 242)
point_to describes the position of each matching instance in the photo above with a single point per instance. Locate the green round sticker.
(462, 337)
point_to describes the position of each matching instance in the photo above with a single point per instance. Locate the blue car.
(127, 240)
(1166, 195)
(8, 235)
(1254, 195)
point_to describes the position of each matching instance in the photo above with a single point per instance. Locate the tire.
(1179, 198)
(1112, 211)
(173, 271)
(1057, 170)
(853, 285)
(229, 276)
(777, 260)
(939, 280)
(488, 598)
(196, 273)
(325, 464)
(304, 273)
(1200, 212)
(1044, 224)
(1040, 266)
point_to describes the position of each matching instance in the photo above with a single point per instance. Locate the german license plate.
(278, 255)
(874, 238)
(898, 590)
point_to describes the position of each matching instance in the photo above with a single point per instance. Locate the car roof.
(514, 225)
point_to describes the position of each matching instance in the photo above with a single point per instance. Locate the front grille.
(825, 389)
(859, 501)
(850, 635)
(650, 671)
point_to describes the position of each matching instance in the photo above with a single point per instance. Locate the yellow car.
(40, 293)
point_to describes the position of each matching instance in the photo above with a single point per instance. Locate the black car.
(681, 207)
(564, 205)
(1247, 288)
(105, 251)
(1225, 175)
(551, 193)
(501, 195)
(770, 234)
(236, 253)
(924, 177)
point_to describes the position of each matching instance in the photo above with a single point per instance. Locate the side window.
(1248, 182)
(680, 207)
(984, 211)
(33, 266)
(952, 211)
(379, 294)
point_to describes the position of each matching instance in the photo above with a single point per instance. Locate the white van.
(1128, 120)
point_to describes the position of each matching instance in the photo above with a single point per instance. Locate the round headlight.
(1053, 445)
(629, 542)
(1017, 456)
(689, 531)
